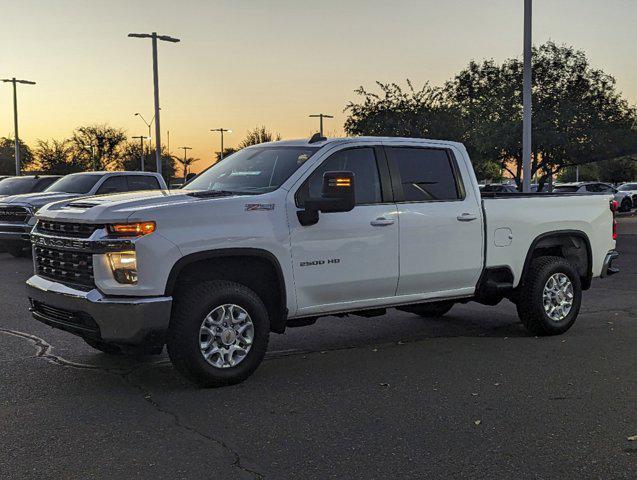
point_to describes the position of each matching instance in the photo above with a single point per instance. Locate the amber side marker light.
(137, 229)
(342, 182)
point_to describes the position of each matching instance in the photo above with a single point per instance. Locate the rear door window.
(426, 174)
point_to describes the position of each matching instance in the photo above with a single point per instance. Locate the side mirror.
(337, 195)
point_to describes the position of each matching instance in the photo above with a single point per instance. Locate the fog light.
(123, 266)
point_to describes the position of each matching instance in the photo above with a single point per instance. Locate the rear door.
(441, 236)
(347, 259)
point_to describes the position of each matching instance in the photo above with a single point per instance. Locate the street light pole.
(321, 116)
(185, 160)
(15, 81)
(527, 99)
(148, 124)
(154, 37)
(142, 155)
(221, 130)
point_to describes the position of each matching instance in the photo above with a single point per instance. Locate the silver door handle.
(381, 222)
(466, 217)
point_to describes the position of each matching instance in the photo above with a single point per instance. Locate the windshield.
(75, 183)
(623, 188)
(253, 170)
(15, 186)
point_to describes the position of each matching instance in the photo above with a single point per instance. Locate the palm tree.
(186, 162)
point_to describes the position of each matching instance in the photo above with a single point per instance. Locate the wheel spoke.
(226, 336)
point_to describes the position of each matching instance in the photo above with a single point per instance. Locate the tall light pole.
(221, 130)
(154, 37)
(527, 99)
(142, 155)
(15, 119)
(185, 160)
(321, 116)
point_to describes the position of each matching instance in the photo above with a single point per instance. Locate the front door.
(347, 259)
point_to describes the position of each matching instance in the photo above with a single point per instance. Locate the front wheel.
(218, 333)
(626, 205)
(550, 296)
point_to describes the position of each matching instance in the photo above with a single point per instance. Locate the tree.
(258, 135)
(98, 146)
(397, 113)
(618, 170)
(128, 158)
(578, 115)
(7, 156)
(57, 157)
(186, 163)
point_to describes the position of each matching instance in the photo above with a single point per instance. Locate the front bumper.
(15, 232)
(607, 267)
(119, 320)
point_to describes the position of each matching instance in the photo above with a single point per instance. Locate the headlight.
(124, 267)
(136, 229)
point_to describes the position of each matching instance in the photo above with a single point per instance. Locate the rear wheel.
(550, 296)
(432, 310)
(218, 333)
(626, 205)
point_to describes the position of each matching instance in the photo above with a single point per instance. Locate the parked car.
(25, 184)
(630, 188)
(624, 199)
(17, 211)
(282, 233)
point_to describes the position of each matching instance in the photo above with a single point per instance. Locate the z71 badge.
(258, 207)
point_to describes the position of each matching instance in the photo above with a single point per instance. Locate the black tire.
(530, 305)
(431, 310)
(107, 348)
(626, 205)
(190, 308)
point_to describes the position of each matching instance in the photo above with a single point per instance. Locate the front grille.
(14, 214)
(76, 320)
(67, 229)
(75, 268)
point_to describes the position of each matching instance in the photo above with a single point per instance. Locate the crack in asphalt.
(43, 350)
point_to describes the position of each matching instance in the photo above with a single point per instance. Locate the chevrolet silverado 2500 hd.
(17, 211)
(282, 233)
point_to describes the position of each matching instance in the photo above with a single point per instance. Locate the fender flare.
(586, 281)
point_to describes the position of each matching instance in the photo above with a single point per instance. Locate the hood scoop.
(81, 204)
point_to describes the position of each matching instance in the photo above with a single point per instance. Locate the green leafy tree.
(578, 115)
(98, 146)
(259, 135)
(57, 157)
(7, 156)
(618, 170)
(128, 158)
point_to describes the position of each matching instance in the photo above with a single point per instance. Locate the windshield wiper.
(212, 193)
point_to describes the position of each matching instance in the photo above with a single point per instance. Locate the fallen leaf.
(496, 384)
(474, 394)
(632, 438)
(384, 384)
(374, 349)
(477, 422)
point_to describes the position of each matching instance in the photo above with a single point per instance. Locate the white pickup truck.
(282, 233)
(17, 212)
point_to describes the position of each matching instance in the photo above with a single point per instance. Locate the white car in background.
(631, 188)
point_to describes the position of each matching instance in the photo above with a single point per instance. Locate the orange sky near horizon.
(272, 62)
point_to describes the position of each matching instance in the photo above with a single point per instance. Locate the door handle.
(381, 222)
(466, 217)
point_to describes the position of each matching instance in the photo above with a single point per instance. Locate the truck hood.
(38, 200)
(119, 207)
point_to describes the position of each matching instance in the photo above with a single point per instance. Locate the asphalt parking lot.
(471, 395)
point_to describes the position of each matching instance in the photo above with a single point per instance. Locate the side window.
(113, 185)
(426, 174)
(142, 182)
(361, 161)
(43, 183)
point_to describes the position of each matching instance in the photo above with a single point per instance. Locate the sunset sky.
(270, 62)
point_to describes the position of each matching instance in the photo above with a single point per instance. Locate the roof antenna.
(317, 137)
